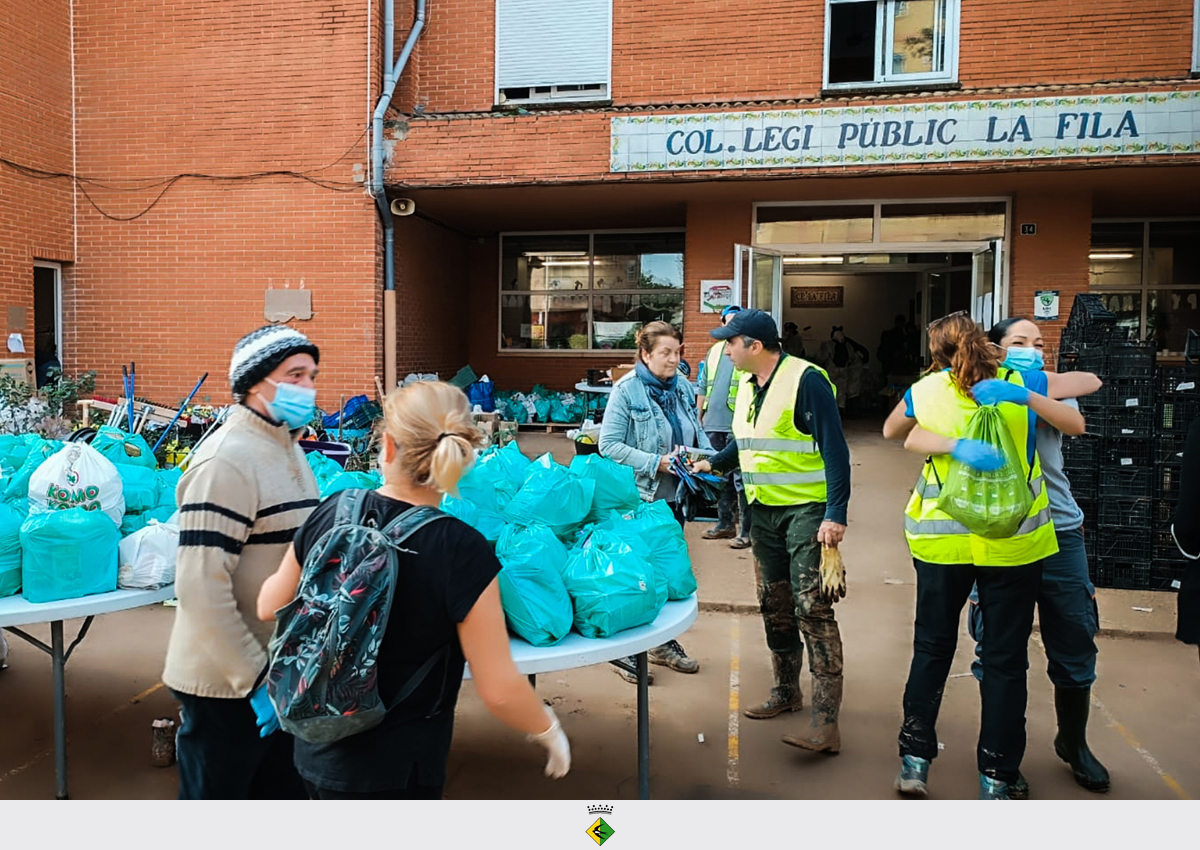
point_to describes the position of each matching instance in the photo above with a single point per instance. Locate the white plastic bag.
(147, 557)
(77, 476)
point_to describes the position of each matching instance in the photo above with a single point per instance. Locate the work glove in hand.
(994, 391)
(978, 455)
(833, 575)
(558, 749)
(268, 720)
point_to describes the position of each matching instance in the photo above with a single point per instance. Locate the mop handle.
(132, 390)
(179, 412)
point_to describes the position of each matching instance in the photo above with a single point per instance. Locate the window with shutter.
(549, 50)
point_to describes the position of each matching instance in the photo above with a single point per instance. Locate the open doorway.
(47, 320)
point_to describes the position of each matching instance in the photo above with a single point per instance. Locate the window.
(785, 224)
(888, 42)
(589, 291)
(1148, 273)
(1196, 39)
(553, 50)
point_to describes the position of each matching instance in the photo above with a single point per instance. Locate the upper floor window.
(553, 50)
(1196, 38)
(890, 42)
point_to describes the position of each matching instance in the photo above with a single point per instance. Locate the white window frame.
(554, 95)
(591, 234)
(883, 55)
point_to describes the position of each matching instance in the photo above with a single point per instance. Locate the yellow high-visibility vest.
(780, 464)
(933, 535)
(712, 362)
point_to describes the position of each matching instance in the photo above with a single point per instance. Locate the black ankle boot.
(1072, 706)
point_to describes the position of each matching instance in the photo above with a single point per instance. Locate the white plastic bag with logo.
(147, 557)
(77, 476)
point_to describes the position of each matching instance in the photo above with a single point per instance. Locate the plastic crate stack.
(1178, 391)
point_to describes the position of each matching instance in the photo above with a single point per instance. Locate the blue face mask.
(293, 405)
(1024, 359)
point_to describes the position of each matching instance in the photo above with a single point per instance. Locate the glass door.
(987, 272)
(758, 279)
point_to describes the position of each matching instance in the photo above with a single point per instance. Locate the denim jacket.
(636, 433)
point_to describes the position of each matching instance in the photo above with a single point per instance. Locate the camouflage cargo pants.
(787, 566)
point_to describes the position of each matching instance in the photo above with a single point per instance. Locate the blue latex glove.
(978, 455)
(994, 391)
(268, 721)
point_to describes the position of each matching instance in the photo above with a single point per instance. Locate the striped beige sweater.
(244, 494)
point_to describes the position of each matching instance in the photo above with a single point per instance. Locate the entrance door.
(987, 273)
(758, 279)
(47, 319)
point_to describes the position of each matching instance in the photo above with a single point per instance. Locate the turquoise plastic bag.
(38, 451)
(140, 487)
(168, 483)
(553, 497)
(488, 523)
(11, 520)
(495, 478)
(616, 487)
(612, 584)
(123, 448)
(68, 554)
(532, 593)
(656, 526)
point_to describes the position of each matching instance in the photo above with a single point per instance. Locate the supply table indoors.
(578, 651)
(17, 611)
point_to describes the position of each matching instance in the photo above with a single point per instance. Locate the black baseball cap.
(752, 323)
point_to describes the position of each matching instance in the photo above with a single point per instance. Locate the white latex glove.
(558, 749)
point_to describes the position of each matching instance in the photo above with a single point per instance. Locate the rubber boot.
(822, 734)
(162, 742)
(785, 696)
(1072, 706)
(913, 776)
(993, 789)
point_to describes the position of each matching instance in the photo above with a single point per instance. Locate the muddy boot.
(1072, 706)
(162, 742)
(785, 696)
(913, 777)
(822, 734)
(994, 789)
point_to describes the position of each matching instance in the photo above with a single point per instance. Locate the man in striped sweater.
(245, 492)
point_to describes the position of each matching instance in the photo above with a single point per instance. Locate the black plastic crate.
(1164, 545)
(1166, 574)
(1176, 413)
(1089, 505)
(1168, 448)
(1178, 380)
(1126, 512)
(1126, 481)
(1166, 481)
(1123, 453)
(1123, 423)
(1121, 574)
(1084, 481)
(1124, 544)
(1164, 513)
(1131, 360)
(1080, 451)
(1123, 393)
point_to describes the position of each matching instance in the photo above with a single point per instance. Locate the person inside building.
(648, 442)
(846, 361)
(789, 444)
(244, 494)
(793, 342)
(447, 595)
(949, 560)
(1185, 528)
(719, 381)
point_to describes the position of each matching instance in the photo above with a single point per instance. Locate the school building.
(548, 175)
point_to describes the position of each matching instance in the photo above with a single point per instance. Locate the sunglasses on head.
(936, 322)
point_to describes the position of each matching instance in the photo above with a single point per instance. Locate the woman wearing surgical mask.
(1067, 610)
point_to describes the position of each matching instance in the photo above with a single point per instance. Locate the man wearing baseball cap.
(244, 494)
(716, 395)
(795, 467)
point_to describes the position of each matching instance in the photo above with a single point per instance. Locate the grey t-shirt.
(1065, 512)
(718, 418)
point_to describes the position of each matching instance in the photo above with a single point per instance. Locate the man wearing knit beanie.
(244, 494)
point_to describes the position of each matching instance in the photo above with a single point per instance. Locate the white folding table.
(578, 651)
(16, 611)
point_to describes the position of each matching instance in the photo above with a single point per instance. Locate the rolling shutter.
(553, 42)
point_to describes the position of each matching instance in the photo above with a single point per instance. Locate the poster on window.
(715, 295)
(1045, 305)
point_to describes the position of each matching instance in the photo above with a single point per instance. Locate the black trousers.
(1007, 596)
(412, 792)
(221, 756)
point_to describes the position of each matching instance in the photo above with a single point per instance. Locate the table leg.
(60, 710)
(643, 726)
(533, 679)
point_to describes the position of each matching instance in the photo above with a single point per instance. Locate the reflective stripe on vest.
(936, 537)
(780, 464)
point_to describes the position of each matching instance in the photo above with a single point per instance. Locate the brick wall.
(713, 230)
(433, 298)
(35, 113)
(228, 88)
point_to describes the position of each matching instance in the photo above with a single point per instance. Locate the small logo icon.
(72, 477)
(600, 831)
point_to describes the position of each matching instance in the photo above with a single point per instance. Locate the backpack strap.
(442, 655)
(412, 521)
(350, 506)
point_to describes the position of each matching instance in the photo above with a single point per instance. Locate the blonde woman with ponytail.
(446, 594)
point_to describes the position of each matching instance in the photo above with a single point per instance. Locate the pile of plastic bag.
(578, 547)
(332, 478)
(541, 405)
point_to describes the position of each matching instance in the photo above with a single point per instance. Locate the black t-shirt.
(437, 587)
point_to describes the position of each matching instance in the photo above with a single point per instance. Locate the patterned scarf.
(663, 394)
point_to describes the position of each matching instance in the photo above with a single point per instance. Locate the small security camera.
(403, 206)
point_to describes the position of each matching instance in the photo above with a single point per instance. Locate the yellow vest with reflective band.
(780, 465)
(933, 535)
(712, 361)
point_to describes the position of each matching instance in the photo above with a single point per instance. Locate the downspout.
(391, 76)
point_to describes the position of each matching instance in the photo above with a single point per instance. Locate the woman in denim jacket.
(650, 414)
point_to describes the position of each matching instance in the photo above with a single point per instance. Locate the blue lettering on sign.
(670, 143)
(750, 138)
(1020, 131)
(1127, 124)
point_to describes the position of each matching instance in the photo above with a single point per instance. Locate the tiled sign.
(951, 131)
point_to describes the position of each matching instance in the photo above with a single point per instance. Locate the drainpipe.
(391, 75)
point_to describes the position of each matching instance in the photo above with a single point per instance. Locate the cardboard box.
(619, 372)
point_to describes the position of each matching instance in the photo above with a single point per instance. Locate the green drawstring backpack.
(990, 504)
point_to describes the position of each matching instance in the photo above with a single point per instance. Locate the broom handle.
(179, 412)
